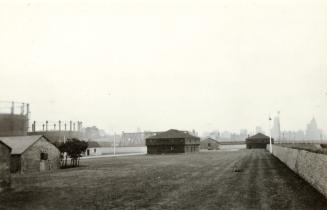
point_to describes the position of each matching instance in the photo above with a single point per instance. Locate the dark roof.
(93, 144)
(5, 145)
(258, 136)
(104, 143)
(19, 144)
(172, 134)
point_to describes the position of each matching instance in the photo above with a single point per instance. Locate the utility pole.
(279, 129)
(270, 145)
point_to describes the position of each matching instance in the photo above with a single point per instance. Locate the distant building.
(194, 133)
(292, 136)
(275, 131)
(14, 118)
(215, 134)
(31, 154)
(225, 135)
(257, 141)
(299, 135)
(243, 133)
(92, 132)
(312, 132)
(5, 151)
(93, 148)
(172, 141)
(135, 138)
(209, 144)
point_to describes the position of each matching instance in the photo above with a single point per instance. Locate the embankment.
(310, 166)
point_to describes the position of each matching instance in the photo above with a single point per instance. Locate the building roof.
(258, 136)
(172, 134)
(19, 144)
(5, 145)
(93, 144)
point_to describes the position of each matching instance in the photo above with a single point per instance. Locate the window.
(44, 156)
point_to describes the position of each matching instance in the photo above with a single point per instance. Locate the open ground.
(244, 179)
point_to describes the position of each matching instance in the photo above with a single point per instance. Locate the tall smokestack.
(33, 126)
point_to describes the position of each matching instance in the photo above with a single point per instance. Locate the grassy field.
(246, 179)
(316, 148)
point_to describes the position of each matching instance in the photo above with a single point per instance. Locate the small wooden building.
(258, 141)
(209, 144)
(93, 148)
(172, 141)
(31, 154)
(5, 151)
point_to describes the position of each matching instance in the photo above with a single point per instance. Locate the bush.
(72, 148)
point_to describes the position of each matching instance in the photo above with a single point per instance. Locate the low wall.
(310, 166)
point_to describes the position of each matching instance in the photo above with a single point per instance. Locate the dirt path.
(246, 179)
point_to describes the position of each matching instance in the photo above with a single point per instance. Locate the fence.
(57, 126)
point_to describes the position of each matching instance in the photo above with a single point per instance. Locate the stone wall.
(310, 166)
(4, 167)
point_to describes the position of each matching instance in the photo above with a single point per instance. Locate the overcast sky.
(203, 65)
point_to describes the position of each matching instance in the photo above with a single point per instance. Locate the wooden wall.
(4, 167)
(30, 160)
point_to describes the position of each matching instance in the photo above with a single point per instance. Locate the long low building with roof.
(172, 141)
(32, 154)
(258, 141)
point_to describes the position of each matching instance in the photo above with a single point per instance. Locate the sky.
(155, 65)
